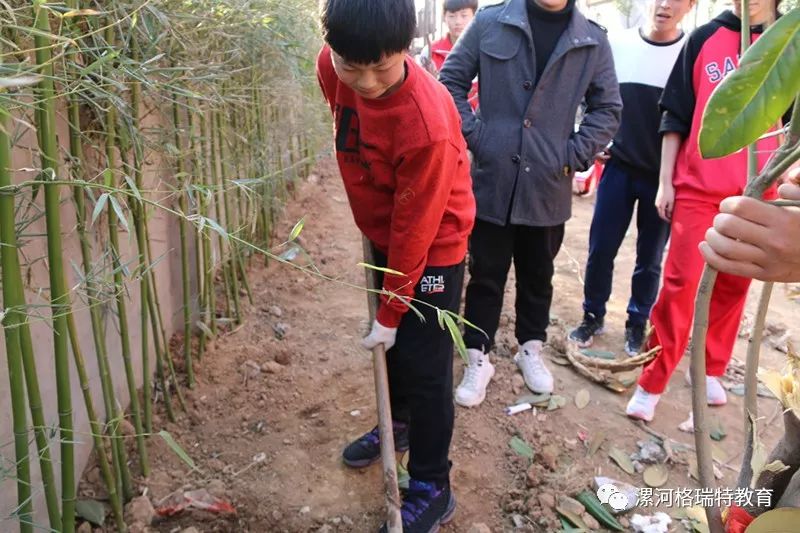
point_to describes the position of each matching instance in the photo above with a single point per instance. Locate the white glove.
(380, 334)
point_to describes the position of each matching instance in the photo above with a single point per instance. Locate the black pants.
(420, 367)
(621, 188)
(491, 249)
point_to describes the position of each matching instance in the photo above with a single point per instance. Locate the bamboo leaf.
(297, 229)
(80, 13)
(92, 511)
(381, 269)
(120, 213)
(175, 447)
(622, 459)
(521, 447)
(98, 207)
(99, 62)
(582, 398)
(752, 98)
(19, 81)
(133, 188)
(205, 329)
(455, 333)
(556, 402)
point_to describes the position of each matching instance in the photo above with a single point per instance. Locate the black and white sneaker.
(366, 449)
(584, 334)
(634, 338)
(426, 506)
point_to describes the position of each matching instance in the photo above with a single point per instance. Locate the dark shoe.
(426, 506)
(584, 334)
(634, 338)
(367, 449)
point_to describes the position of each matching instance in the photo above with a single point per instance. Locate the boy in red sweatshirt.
(690, 192)
(405, 169)
(457, 16)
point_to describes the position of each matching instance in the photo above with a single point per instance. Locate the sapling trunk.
(59, 297)
(786, 155)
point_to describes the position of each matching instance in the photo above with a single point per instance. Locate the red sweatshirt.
(406, 172)
(711, 53)
(439, 51)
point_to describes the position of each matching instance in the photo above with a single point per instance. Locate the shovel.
(388, 459)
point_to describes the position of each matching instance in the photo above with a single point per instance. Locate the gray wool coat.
(525, 149)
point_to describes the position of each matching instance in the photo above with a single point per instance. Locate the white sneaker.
(477, 375)
(529, 360)
(642, 405)
(715, 392)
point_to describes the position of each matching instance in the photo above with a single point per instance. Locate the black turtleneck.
(546, 28)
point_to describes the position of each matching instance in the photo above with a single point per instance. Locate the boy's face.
(373, 80)
(457, 21)
(665, 15)
(759, 10)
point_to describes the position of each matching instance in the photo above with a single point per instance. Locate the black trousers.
(621, 189)
(491, 250)
(420, 367)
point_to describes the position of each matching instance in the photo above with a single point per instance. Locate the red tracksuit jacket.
(406, 172)
(711, 52)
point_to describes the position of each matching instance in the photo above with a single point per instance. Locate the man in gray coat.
(537, 60)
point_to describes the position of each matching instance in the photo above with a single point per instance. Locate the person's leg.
(534, 252)
(724, 318)
(490, 251)
(673, 311)
(425, 352)
(652, 235)
(612, 216)
(651, 240)
(535, 249)
(366, 449)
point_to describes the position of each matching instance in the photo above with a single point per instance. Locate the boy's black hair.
(361, 31)
(457, 5)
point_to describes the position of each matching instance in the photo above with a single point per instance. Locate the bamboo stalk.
(199, 239)
(208, 250)
(182, 186)
(230, 223)
(155, 310)
(59, 297)
(119, 282)
(218, 178)
(11, 329)
(139, 220)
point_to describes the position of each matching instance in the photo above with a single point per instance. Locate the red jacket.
(439, 51)
(711, 52)
(406, 173)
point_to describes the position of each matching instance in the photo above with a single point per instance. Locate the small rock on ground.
(140, 510)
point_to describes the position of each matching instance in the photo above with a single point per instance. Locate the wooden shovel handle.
(388, 459)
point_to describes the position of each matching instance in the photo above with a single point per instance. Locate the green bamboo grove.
(125, 126)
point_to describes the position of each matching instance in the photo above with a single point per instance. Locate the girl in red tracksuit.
(690, 191)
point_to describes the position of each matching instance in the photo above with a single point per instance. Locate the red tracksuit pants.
(673, 311)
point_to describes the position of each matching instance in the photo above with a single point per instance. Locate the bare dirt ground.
(269, 440)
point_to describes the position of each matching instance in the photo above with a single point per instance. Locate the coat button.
(527, 85)
(515, 159)
(567, 171)
(526, 123)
